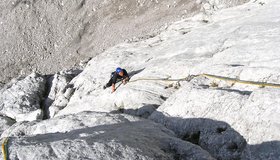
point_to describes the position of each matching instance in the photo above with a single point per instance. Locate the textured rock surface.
(139, 139)
(67, 123)
(217, 137)
(5, 123)
(209, 116)
(22, 99)
(233, 45)
(60, 91)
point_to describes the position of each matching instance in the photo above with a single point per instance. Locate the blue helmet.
(118, 70)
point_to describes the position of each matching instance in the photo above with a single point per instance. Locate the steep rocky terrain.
(37, 33)
(170, 109)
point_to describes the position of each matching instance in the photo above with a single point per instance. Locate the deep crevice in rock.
(46, 102)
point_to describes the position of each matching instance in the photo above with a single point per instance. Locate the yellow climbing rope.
(235, 80)
(232, 80)
(158, 79)
(4, 148)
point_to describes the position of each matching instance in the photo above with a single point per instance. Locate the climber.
(115, 76)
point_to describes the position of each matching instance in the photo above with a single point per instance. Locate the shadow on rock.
(133, 73)
(216, 137)
(143, 112)
(267, 150)
(141, 139)
(56, 86)
(235, 90)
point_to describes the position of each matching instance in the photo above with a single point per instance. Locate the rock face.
(231, 48)
(5, 123)
(64, 124)
(60, 91)
(67, 123)
(22, 100)
(137, 139)
(189, 115)
(217, 137)
(35, 34)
